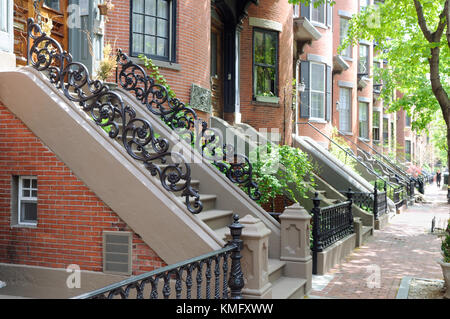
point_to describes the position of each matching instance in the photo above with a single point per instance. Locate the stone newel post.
(255, 258)
(295, 243)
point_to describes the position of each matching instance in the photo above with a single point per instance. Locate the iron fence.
(330, 224)
(217, 275)
(375, 202)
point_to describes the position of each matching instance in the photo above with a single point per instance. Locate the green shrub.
(445, 247)
(281, 170)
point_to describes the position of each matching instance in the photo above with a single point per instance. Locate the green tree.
(414, 37)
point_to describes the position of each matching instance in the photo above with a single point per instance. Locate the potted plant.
(445, 262)
(105, 7)
(107, 66)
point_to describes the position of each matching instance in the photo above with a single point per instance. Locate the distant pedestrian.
(438, 178)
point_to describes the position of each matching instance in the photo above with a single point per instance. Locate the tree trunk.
(448, 161)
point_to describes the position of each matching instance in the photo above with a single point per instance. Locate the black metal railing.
(330, 224)
(209, 142)
(390, 186)
(375, 202)
(213, 275)
(392, 170)
(399, 197)
(107, 109)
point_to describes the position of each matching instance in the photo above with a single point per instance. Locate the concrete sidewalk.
(405, 247)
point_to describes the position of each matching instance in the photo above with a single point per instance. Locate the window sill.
(363, 139)
(347, 133)
(24, 226)
(268, 99)
(159, 64)
(319, 25)
(255, 102)
(346, 58)
(320, 121)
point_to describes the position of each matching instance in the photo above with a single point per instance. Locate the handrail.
(237, 167)
(359, 148)
(107, 110)
(235, 282)
(348, 153)
(368, 145)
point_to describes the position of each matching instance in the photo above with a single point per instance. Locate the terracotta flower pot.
(103, 9)
(446, 272)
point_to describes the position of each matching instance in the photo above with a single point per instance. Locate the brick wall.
(263, 115)
(71, 218)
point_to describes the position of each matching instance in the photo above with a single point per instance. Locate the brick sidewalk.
(405, 247)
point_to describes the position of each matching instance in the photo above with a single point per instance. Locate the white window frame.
(348, 110)
(296, 10)
(365, 121)
(378, 127)
(367, 64)
(311, 91)
(324, 8)
(21, 198)
(349, 48)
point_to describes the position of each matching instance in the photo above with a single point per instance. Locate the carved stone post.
(295, 243)
(255, 259)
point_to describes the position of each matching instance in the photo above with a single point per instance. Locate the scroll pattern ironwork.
(107, 109)
(185, 121)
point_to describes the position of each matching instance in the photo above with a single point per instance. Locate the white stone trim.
(265, 24)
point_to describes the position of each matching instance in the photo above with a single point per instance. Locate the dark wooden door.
(217, 69)
(56, 10)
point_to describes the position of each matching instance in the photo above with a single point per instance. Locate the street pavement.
(404, 247)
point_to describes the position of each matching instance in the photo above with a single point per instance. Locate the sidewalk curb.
(403, 290)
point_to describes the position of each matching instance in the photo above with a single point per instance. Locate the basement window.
(117, 252)
(24, 200)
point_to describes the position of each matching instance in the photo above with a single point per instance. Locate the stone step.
(275, 270)
(208, 201)
(222, 232)
(288, 288)
(216, 218)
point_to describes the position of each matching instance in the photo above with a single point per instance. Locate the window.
(152, 24)
(347, 52)
(318, 14)
(52, 4)
(408, 150)
(345, 109)
(363, 65)
(265, 62)
(376, 126)
(296, 10)
(392, 135)
(385, 132)
(27, 200)
(363, 120)
(407, 120)
(363, 4)
(317, 91)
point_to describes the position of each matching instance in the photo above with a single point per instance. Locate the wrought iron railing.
(210, 143)
(330, 224)
(375, 202)
(399, 197)
(107, 109)
(389, 185)
(213, 275)
(386, 165)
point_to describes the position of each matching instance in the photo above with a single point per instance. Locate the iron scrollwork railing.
(185, 121)
(107, 109)
(330, 224)
(215, 275)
